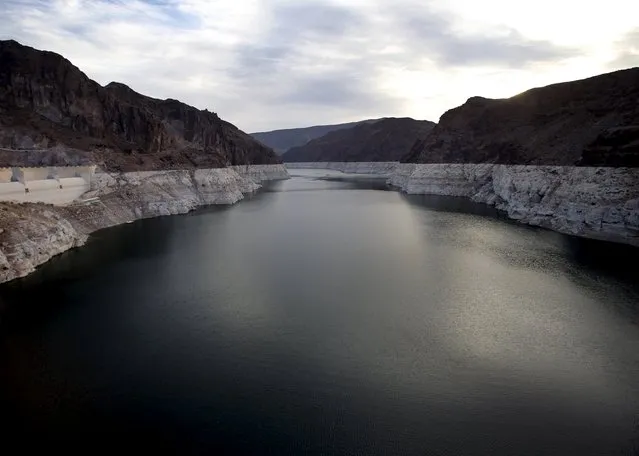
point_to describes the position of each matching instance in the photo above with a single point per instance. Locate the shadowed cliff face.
(385, 140)
(47, 103)
(592, 122)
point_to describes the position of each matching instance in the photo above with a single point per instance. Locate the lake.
(326, 315)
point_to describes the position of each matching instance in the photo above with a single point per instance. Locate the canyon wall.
(564, 156)
(159, 157)
(51, 113)
(590, 122)
(595, 202)
(33, 233)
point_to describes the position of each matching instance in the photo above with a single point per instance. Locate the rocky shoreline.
(32, 233)
(593, 202)
(379, 168)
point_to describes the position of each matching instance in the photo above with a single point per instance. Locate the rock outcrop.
(385, 140)
(592, 122)
(53, 114)
(160, 157)
(595, 202)
(31, 234)
(580, 144)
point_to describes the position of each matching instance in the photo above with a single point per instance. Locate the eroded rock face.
(47, 103)
(592, 122)
(31, 234)
(160, 157)
(597, 202)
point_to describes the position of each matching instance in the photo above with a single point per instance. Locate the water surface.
(326, 316)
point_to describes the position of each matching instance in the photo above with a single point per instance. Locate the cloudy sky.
(268, 64)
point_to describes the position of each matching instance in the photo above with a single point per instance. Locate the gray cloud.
(512, 50)
(434, 33)
(627, 51)
(305, 32)
(259, 61)
(337, 90)
(292, 27)
(313, 18)
(287, 63)
(314, 61)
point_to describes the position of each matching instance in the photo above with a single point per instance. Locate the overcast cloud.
(267, 64)
(628, 50)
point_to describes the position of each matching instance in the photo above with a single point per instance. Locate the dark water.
(326, 317)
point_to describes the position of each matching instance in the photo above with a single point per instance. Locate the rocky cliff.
(385, 140)
(592, 122)
(587, 201)
(52, 114)
(158, 157)
(595, 202)
(31, 234)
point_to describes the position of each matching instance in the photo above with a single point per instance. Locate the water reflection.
(326, 315)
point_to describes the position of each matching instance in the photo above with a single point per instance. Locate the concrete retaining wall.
(6, 174)
(51, 185)
(36, 174)
(12, 191)
(74, 171)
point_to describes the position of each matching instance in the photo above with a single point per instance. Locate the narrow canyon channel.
(326, 315)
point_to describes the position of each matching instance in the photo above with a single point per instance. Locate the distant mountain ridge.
(282, 140)
(388, 139)
(51, 107)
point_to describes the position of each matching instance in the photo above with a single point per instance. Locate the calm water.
(326, 317)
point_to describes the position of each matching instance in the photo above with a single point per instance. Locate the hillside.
(53, 110)
(594, 121)
(386, 140)
(283, 140)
